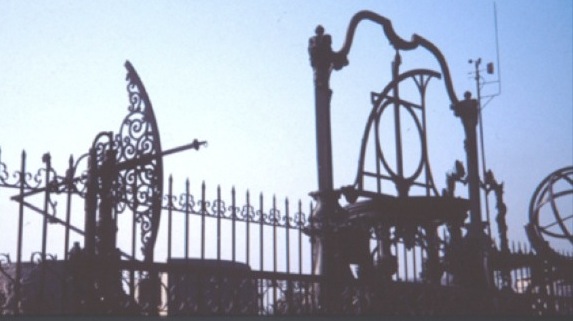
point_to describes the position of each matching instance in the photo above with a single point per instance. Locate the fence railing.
(218, 251)
(268, 236)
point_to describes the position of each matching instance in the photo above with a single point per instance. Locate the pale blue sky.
(237, 73)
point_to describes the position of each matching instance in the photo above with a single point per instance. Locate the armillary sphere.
(138, 169)
(550, 225)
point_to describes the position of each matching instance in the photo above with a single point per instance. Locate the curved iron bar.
(558, 219)
(380, 153)
(552, 197)
(544, 194)
(398, 43)
(547, 195)
(36, 257)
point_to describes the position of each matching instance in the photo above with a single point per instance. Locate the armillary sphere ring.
(548, 225)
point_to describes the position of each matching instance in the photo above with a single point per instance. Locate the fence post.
(48, 161)
(169, 218)
(17, 285)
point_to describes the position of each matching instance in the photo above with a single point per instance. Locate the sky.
(237, 74)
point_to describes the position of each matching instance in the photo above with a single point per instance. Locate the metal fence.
(241, 255)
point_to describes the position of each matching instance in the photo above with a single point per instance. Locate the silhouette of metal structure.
(398, 245)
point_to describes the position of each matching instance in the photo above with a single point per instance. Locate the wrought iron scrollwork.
(247, 213)
(218, 208)
(139, 187)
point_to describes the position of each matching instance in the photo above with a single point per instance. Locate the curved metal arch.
(378, 105)
(380, 153)
(398, 43)
(141, 185)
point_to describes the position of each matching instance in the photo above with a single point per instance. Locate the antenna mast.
(480, 83)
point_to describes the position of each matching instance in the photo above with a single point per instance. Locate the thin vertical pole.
(398, 132)
(274, 246)
(312, 240)
(300, 237)
(48, 160)
(248, 236)
(91, 204)
(219, 276)
(134, 235)
(186, 219)
(378, 174)
(203, 210)
(481, 141)
(20, 230)
(287, 236)
(514, 271)
(218, 222)
(405, 251)
(70, 185)
(233, 222)
(397, 253)
(170, 219)
(275, 235)
(261, 221)
(414, 262)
